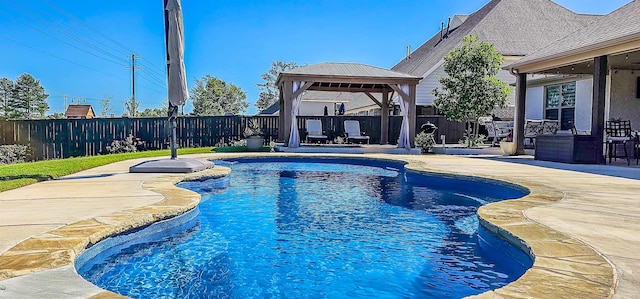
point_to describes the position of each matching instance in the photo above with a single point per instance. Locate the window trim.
(560, 106)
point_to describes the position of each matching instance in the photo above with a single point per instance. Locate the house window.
(560, 104)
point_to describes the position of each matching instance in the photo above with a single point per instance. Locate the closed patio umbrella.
(176, 75)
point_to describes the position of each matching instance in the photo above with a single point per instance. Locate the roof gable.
(619, 26)
(514, 27)
(79, 111)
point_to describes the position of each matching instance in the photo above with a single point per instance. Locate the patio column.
(600, 66)
(518, 122)
(384, 121)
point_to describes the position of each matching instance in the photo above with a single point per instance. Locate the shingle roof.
(275, 107)
(347, 69)
(514, 27)
(79, 111)
(619, 26)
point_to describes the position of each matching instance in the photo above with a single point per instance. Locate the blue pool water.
(318, 229)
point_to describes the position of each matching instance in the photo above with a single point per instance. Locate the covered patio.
(348, 77)
(608, 52)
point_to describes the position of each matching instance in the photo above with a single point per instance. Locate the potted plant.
(253, 135)
(507, 146)
(425, 142)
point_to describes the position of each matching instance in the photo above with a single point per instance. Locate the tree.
(269, 92)
(212, 96)
(56, 115)
(131, 107)
(105, 105)
(470, 89)
(28, 98)
(6, 92)
(163, 111)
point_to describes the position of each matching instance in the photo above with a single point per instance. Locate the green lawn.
(22, 174)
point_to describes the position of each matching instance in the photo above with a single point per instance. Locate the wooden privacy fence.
(62, 138)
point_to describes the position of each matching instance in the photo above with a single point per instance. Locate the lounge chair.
(497, 130)
(314, 131)
(352, 130)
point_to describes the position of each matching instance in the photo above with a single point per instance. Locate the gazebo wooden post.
(384, 121)
(412, 114)
(281, 120)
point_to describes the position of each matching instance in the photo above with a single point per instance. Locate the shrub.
(425, 142)
(472, 140)
(128, 145)
(252, 129)
(11, 154)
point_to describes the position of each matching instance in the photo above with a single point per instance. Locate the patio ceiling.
(615, 36)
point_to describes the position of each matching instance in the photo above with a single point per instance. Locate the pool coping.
(563, 266)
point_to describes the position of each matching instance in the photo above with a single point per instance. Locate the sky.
(80, 51)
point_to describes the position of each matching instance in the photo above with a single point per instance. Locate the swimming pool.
(319, 228)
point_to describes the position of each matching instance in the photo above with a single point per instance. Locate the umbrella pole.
(173, 115)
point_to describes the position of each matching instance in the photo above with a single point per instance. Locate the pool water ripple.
(317, 230)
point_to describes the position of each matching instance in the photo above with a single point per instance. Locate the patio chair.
(353, 133)
(550, 126)
(532, 128)
(498, 130)
(618, 133)
(314, 131)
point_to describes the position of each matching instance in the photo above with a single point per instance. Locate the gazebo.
(348, 77)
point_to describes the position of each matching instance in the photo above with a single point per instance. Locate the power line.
(29, 13)
(157, 69)
(153, 78)
(61, 58)
(70, 16)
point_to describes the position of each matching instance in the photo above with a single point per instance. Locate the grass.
(22, 174)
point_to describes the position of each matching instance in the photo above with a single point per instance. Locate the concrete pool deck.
(580, 221)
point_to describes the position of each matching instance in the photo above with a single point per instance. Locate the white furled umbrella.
(178, 94)
(176, 74)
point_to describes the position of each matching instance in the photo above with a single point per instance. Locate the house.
(79, 112)
(314, 103)
(514, 27)
(588, 76)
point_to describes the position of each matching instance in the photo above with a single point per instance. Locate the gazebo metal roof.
(346, 77)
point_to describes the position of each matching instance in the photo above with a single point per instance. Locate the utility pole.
(133, 83)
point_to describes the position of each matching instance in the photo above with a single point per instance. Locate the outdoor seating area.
(498, 129)
(353, 133)
(314, 132)
(621, 141)
(535, 127)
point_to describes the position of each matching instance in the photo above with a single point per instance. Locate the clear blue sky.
(80, 48)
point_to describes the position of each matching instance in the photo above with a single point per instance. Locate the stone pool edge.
(60, 247)
(563, 267)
